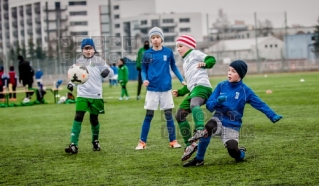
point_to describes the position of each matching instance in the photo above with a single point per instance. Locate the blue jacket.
(38, 74)
(156, 69)
(237, 95)
(115, 70)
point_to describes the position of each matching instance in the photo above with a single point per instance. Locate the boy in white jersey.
(89, 96)
(198, 87)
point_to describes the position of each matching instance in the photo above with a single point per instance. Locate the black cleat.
(72, 149)
(96, 145)
(193, 162)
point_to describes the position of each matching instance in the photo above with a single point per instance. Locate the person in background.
(113, 80)
(38, 76)
(13, 81)
(26, 74)
(123, 78)
(139, 58)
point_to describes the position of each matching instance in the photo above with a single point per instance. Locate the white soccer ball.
(62, 99)
(78, 74)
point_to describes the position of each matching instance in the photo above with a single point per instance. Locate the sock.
(95, 132)
(198, 116)
(145, 128)
(75, 132)
(202, 146)
(122, 92)
(185, 130)
(126, 93)
(170, 127)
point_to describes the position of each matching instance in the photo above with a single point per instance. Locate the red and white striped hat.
(187, 40)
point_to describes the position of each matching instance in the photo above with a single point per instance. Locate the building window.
(79, 23)
(117, 25)
(266, 46)
(84, 33)
(116, 7)
(117, 34)
(184, 29)
(184, 20)
(79, 13)
(275, 45)
(169, 39)
(144, 22)
(116, 16)
(168, 30)
(74, 3)
(144, 31)
(168, 20)
(247, 35)
(270, 46)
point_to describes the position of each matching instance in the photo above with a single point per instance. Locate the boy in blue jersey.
(228, 101)
(156, 76)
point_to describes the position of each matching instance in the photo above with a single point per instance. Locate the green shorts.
(198, 91)
(93, 106)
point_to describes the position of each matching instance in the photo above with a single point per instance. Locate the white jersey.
(195, 76)
(92, 88)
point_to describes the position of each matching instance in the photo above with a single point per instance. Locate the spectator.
(26, 74)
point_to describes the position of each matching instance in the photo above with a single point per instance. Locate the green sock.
(126, 93)
(198, 116)
(75, 132)
(95, 132)
(185, 130)
(122, 92)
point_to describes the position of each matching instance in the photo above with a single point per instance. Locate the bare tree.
(265, 28)
(222, 23)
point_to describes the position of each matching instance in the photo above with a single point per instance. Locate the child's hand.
(145, 83)
(175, 93)
(201, 64)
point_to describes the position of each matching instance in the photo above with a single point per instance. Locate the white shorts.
(225, 133)
(164, 99)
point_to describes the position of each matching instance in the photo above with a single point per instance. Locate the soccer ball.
(62, 99)
(78, 74)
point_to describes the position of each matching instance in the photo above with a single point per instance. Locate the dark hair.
(11, 68)
(20, 58)
(123, 60)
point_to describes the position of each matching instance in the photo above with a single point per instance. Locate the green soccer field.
(33, 138)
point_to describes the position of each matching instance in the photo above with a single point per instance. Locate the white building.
(270, 48)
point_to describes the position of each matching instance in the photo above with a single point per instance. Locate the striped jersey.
(92, 88)
(195, 76)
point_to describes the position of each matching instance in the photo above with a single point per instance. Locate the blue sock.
(170, 127)
(145, 128)
(202, 146)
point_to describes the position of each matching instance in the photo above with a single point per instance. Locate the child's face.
(120, 62)
(88, 51)
(182, 49)
(233, 75)
(156, 40)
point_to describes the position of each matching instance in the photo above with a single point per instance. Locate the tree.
(31, 50)
(316, 41)
(23, 50)
(40, 53)
(222, 23)
(265, 28)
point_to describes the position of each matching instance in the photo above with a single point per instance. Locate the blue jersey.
(156, 69)
(115, 70)
(38, 74)
(231, 111)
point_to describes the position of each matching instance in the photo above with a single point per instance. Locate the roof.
(241, 44)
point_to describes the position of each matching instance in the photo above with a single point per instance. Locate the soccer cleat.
(72, 149)
(198, 134)
(193, 162)
(174, 144)
(127, 98)
(141, 145)
(96, 145)
(120, 98)
(244, 150)
(138, 98)
(189, 150)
